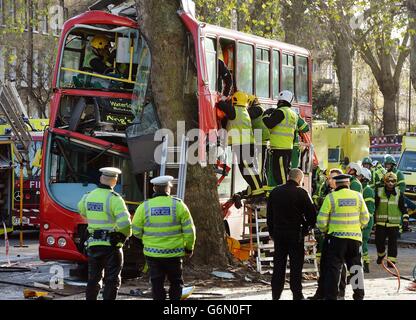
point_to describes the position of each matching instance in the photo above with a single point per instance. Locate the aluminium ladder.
(175, 159)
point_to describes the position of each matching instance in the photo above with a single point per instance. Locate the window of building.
(1, 12)
(262, 72)
(276, 73)
(36, 69)
(288, 73)
(211, 59)
(302, 79)
(245, 68)
(12, 62)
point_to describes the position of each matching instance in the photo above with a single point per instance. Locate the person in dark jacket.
(290, 215)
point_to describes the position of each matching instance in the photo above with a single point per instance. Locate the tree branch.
(402, 58)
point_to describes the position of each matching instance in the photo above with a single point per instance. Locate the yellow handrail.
(97, 75)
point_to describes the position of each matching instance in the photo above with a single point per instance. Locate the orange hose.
(397, 274)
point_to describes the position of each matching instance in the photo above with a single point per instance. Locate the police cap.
(342, 178)
(110, 172)
(162, 181)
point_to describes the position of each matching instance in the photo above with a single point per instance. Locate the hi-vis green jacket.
(105, 209)
(343, 214)
(165, 225)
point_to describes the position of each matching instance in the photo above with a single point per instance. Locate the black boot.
(380, 259)
(366, 267)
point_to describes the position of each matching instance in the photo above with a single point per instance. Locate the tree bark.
(411, 7)
(166, 35)
(389, 113)
(293, 16)
(343, 64)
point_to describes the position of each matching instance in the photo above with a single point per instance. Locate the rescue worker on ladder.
(342, 216)
(303, 127)
(354, 170)
(241, 138)
(109, 226)
(282, 123)
(390, 208)
(167, 230)
(369, 198)
(256, 111)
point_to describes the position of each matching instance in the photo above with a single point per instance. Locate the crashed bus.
(92, 122)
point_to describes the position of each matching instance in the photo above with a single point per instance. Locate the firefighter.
(166, 228)
(390, 209)
(368, 195)
(303, 127)
(100, 59)
(378, 175)
(342, 216)
(390, 165)
(225, 80)
(282, 122)
(109, 226)
(354, 170)
(241, 138)
(255, 111)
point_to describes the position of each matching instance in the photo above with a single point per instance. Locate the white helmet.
(286, 95)
(366, 173)
(356, 167)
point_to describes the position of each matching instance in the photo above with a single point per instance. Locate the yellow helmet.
(252, 100)
(240, 98)
(390, 176)
(99, 42)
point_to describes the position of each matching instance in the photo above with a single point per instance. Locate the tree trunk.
(166, 35)
(293, 17)
(411, 6)
(389, 113)
(343, 64)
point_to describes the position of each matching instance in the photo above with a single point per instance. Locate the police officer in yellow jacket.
(109, 226)
(342, 216)
(166, 228)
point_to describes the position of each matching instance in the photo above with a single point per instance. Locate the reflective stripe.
(147, 211)
(123, 224)
(108, 210)
(323, 213)
(162, 224)
(345, 215)
(188, 231)
(187, 223)
(121, 215)
(101, 222)
(174, 210)
(332, 200)
(161, 234)
(344, 221)
(138, 229)
(281, 134)
(369, 200)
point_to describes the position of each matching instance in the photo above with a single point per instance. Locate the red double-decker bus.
(91, 113)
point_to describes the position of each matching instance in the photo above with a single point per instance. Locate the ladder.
(263, 247)
(174, 161)
(12, 108)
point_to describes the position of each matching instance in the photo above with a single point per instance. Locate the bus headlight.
(61, 242)
(50, 240)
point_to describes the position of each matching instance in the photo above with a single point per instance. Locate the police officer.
(369, 198)
(342, 216)
(282, 122)
(390, 209)
(166, 228)
(109, 226)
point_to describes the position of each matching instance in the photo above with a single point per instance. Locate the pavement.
(47, 276)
